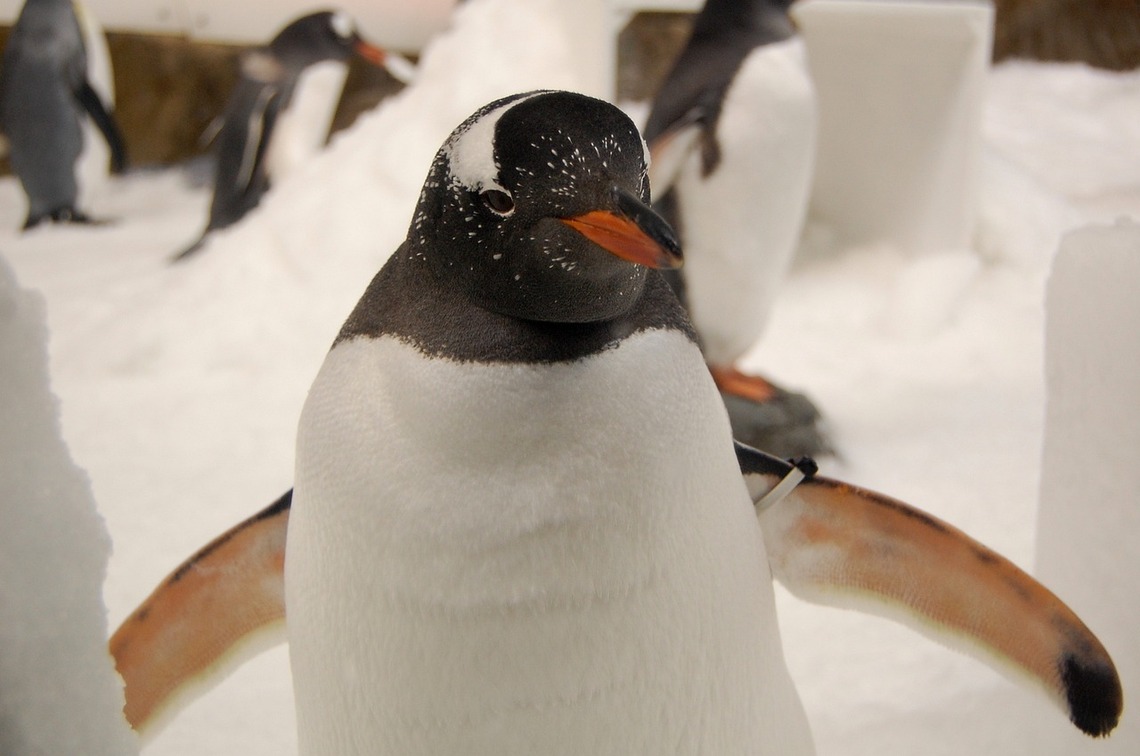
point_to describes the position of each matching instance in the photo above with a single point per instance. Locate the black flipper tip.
(189, 250)
(1094, 696)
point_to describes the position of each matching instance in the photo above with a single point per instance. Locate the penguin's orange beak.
(370, 52)
(632, 232)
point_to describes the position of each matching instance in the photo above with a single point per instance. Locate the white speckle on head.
(471, 153)
(342, 24)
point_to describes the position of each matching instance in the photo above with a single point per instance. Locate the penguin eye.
(499, 201)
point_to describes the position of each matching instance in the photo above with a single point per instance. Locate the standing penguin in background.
(44, 93)
(732, 134)
(520, 523)
(250, 130)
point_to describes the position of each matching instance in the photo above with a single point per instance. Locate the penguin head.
(325, 35)
(50, 30)
(537, 207)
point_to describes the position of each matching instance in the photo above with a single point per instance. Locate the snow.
(180, 386)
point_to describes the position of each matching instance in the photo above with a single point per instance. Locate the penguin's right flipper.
(221, 606)
(840, 545)
(262, 68)
(108, 127)
(669, 150)
(258, 128)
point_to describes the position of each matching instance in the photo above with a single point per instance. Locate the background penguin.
(44, 92)
(520, 523)
(251, 130)
(732, 133)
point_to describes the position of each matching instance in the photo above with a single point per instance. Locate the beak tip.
(672, 257)
(370, 53)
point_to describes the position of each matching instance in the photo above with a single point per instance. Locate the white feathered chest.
(555, 558)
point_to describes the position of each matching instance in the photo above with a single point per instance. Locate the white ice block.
(59, 693)
(900, 87)
(1089, 521)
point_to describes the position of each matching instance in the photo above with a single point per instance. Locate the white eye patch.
(471, 153)
(342, 24)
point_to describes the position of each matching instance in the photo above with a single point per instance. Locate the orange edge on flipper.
(829, 538)
(228, 591)
(668, 153)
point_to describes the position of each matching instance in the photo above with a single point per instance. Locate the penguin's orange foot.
(754, 388)
(769, 417)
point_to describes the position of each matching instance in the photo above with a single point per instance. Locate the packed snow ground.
(180, 386)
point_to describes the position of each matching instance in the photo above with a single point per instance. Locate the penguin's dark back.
(724, 33)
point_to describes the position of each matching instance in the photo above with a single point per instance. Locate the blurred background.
(175, 62)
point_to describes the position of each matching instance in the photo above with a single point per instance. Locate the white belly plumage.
(516, 559)
(741, 224)
(302, 128)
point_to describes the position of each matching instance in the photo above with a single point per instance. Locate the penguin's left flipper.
(93, 104)
(669, 150)
(837, 544)
(219, 608)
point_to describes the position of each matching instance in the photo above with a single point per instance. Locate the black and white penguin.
(732, 134)
(44, 94)
(258, 131)
(520, 523)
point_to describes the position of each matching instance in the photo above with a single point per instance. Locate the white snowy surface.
(180, 386)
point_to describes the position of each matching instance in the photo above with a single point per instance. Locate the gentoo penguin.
(44, 92)
(250, 128)
(520, 523)
(732, 133)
